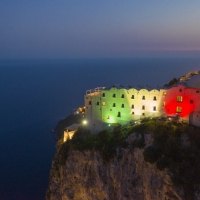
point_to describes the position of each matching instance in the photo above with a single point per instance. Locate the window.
(179, 99)
(114, 105)
(180, 90)
(114, 95)
(143, 107)
(132, 97)
(132, 106)
(178, 109)
(122, 105)
(133, 113)
(143, 97)
(103, 103)
(163, 104)
(103, 95)
(119, 114)
(154, 108)
(90, 102)
(191, 101)
(154, 98)
(122, 96)
(97, 103)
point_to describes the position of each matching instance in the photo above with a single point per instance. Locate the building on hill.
(122, 105)
(118, 104)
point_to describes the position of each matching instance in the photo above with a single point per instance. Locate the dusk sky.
(93, 28)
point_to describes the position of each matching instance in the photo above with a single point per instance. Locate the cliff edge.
(134, 170)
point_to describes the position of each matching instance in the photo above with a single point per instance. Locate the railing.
(98, 89)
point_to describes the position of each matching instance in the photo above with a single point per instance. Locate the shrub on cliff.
(181, 158)
(176, 147)
(105, 142)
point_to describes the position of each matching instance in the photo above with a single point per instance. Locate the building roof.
(72, 127)
(137, 87)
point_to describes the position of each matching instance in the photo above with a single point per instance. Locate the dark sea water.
(35, 94)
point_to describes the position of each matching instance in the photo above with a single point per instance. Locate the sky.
(93, 28)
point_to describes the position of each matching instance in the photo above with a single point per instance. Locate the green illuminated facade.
(121, 105)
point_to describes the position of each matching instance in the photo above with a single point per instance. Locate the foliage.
(172, 82)
(170, 151)
(106, 142)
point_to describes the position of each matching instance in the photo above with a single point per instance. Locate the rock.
(85, 176)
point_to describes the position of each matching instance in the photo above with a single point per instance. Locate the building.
(183, 100)
(122, 105)
(69, 131)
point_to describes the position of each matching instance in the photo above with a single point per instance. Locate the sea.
(36, 94)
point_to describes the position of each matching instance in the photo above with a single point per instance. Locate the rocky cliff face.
(85, 176)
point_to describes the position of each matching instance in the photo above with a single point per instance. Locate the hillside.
(155, 159)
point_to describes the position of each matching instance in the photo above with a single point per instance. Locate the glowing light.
(84, 122)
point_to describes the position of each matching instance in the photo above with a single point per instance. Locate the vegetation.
(172, 82)
(105, 141)
(176, 147)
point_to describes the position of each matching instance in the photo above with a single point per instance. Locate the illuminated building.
(118, 104)
(183, 101)
(122, 105)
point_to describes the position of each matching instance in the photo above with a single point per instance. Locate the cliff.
(86, 176)
(126, 175)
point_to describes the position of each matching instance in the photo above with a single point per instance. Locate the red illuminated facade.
(184, 102)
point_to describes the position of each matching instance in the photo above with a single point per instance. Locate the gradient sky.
(94, 28)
